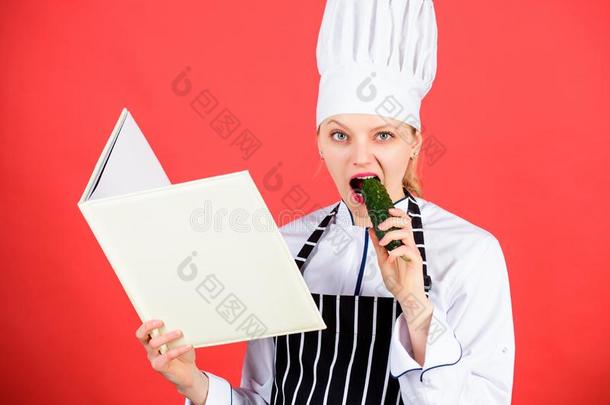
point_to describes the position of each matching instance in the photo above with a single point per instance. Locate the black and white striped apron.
(348, 362)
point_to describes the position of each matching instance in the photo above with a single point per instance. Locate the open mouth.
(356, 183)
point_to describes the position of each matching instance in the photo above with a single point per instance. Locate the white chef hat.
(376, 57)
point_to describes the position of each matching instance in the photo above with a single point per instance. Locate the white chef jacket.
(470, 354)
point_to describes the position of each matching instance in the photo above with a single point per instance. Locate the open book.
(204, 256)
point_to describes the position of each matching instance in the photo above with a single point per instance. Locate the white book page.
(131, 165)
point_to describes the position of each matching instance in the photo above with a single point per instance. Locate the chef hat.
(376, 57)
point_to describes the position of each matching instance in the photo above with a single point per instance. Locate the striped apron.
(348, 362)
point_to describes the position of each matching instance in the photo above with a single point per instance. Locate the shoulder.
(455, 246)
(437, 219)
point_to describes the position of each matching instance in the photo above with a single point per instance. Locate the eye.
(389, 135)
(338, 133)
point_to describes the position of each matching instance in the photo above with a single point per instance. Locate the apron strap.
(313, 239)
(418, 235)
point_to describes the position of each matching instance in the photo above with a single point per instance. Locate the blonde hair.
(411, 180)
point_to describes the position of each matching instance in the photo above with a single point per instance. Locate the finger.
(178, 351)
(409, 252)
(143, 332)
(398, 212)
(398, 234)
(398, 222)
(158, 341)
(158, 361)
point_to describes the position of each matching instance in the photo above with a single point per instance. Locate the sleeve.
(256, 379)
(470, 349)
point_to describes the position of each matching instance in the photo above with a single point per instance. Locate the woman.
(429, 322)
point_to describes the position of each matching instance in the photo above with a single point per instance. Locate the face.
(367, 144)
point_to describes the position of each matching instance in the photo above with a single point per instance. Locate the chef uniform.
(365, 355)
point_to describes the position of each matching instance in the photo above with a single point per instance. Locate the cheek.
(337, 163)
(394, 162)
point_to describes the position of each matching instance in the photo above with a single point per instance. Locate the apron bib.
(348, 362)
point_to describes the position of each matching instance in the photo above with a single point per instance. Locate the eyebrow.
(344, 126)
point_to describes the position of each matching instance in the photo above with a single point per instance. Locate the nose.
(363, 154)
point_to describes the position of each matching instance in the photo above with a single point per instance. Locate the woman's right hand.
(176, 365)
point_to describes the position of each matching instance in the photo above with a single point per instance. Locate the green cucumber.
(378, 202)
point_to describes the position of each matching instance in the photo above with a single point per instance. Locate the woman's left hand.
(402, 278)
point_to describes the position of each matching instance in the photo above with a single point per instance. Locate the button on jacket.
(469, 356)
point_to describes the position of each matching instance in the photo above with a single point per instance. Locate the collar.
(345, 217)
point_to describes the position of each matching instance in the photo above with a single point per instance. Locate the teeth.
(357, 182)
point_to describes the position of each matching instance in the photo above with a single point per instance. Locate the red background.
(520, 105)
